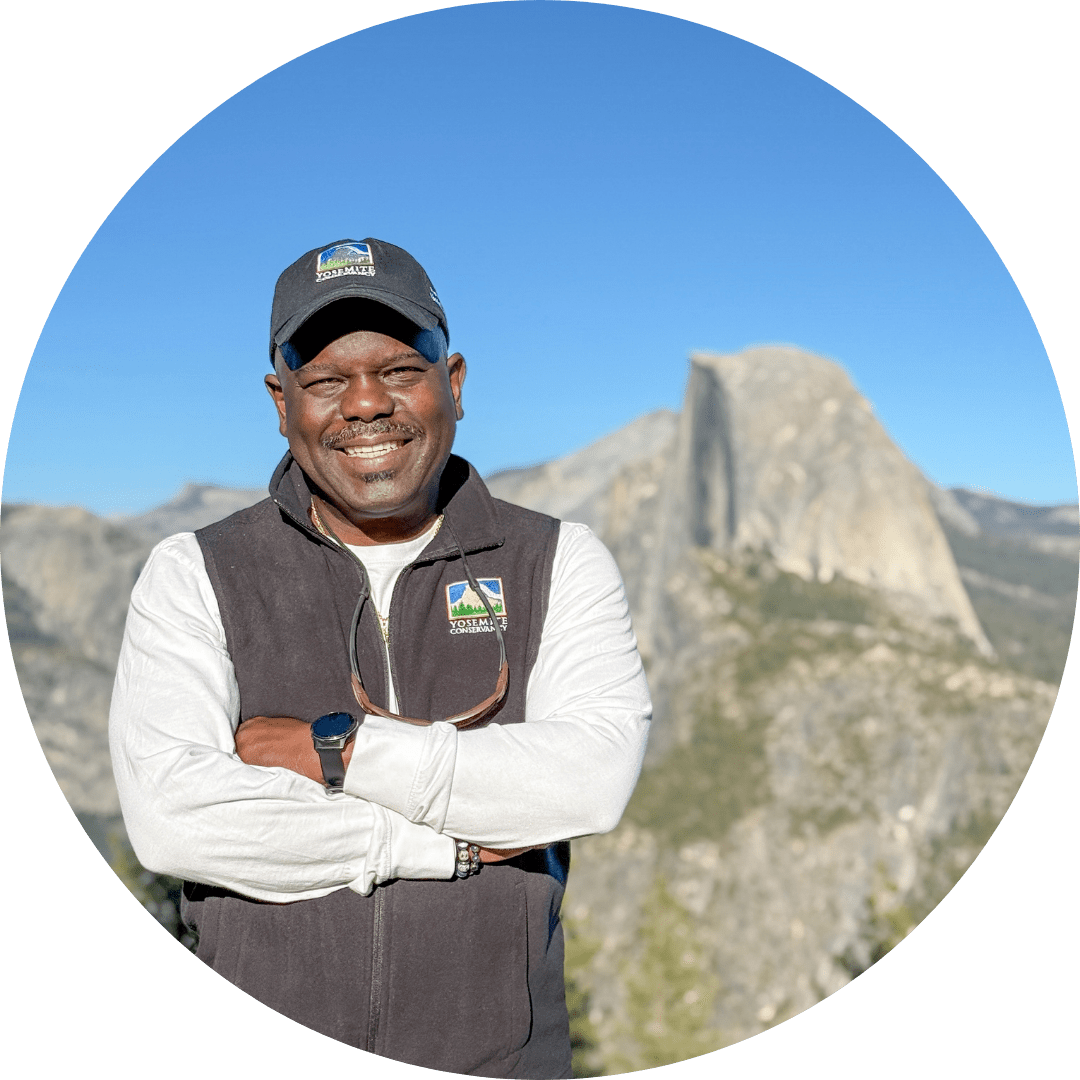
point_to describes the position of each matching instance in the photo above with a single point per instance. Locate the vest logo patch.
(344, 259)
(466, 610)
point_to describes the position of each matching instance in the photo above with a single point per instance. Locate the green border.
(981, 91)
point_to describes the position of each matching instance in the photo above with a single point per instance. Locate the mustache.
(359, 429)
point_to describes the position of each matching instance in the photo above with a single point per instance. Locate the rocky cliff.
(1018, 564)
(835, 736)
(67, 575)
(192, 507)
(775, 453)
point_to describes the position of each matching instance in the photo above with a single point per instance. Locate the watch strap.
(333, 768)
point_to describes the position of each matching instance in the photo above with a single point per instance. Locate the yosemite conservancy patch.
(343, 259)
(466, 610)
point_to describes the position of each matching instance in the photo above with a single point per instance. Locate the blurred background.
(851, 676)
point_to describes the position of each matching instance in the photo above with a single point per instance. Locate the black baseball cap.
(350, 270)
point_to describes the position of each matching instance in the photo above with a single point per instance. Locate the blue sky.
(595, 192)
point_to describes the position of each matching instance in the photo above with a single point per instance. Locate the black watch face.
(332, 725)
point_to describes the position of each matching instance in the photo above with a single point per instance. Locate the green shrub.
(788, 596)
(699, 791)
(671, 990)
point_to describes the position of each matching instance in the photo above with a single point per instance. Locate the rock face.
(193, 507)
(776, 452)
(1018, 564)
(834, 738)
(827, 773)
(67, 578)
(73, 566)
(580, 486)
(1051, 530)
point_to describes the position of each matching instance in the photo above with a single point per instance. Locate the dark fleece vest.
(460, 975)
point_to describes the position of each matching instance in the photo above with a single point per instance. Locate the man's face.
(371, 422)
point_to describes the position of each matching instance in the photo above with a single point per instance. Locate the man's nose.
(367, 399)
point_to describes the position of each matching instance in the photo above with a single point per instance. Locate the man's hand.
(488, 855)
(283, 742)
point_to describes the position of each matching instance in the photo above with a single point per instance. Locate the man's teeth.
(373, 451)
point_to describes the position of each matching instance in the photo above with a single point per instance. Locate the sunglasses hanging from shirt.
(477, 715)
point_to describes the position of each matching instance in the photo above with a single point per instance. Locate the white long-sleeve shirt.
(195, 810)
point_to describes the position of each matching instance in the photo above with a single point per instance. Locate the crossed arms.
(285, 742)
(195, 808)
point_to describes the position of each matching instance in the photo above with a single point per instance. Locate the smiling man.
(362, 718)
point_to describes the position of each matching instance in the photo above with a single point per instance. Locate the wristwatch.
(330, 733)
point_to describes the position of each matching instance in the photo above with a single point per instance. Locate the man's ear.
(455, 366)
(273, 385)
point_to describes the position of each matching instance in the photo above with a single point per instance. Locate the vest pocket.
(307, 960)
(457, 973)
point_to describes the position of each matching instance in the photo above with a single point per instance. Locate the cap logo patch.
(434, 295)
(466, 610)
(344, 259)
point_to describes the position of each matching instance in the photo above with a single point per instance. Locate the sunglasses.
(479, 714)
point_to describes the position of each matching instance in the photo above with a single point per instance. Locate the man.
(393, 884)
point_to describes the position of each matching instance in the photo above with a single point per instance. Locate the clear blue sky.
(595, 192)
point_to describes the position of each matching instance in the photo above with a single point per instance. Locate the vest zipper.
(389, 651)
(375, 1000)
(379, 897)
